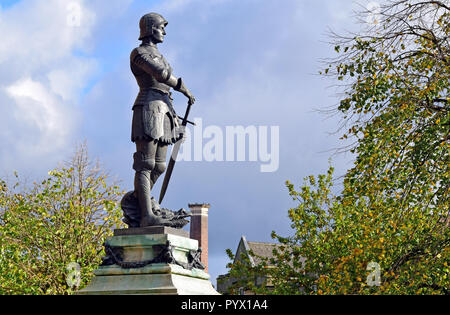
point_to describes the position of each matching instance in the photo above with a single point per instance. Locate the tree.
(393, 212)
(47, 231)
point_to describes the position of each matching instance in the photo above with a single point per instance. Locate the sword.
(173, 157)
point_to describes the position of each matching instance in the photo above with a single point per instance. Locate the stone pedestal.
(156, 260)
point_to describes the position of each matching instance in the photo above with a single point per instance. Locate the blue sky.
(248, 62)
(7, 3)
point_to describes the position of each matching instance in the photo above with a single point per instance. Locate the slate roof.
(262, 249)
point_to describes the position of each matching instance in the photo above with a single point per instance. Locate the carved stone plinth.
(145, 263)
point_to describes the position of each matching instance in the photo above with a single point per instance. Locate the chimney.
(199, 229)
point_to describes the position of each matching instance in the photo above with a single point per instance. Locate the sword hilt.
(188, 109)
(188, 121)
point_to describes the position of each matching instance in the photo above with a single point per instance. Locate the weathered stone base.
(157, 278)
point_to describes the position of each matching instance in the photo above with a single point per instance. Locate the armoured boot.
(143, 165)
(143, 190)
(143, 184)
(160, 167)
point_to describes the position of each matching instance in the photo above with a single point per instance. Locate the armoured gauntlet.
(183, 89)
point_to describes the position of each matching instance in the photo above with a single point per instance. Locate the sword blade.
(173, 159)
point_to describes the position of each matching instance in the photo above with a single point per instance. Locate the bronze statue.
(155, 126)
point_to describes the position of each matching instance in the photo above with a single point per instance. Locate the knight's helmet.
(148, 22)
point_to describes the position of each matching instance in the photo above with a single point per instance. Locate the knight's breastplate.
(147, 82)
(145, 79)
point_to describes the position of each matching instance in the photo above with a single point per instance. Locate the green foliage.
(336, 238)
(394, 207)
(245, 275)
(62, 220)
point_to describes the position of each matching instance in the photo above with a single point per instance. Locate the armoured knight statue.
(155, 126)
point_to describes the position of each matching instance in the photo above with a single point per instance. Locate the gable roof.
(262, 249)
(258, 248)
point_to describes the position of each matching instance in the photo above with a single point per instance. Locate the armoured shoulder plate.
(149, 50)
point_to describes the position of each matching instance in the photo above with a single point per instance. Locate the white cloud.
(110, 8)
(37, 33)
(36, 107)
(68, 80)
(174, 5)
(170, 6)
(41, 77)
(342, 13)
